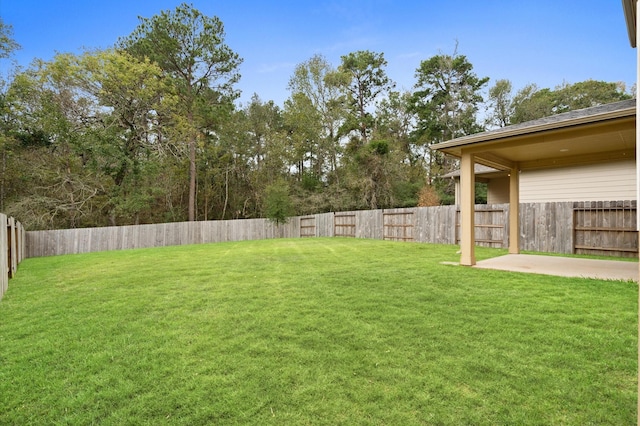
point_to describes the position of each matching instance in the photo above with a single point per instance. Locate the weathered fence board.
(435, 224)
(369, 224)
(4, 255)
(546, 227)
(325, 225)
(12, 255)
(21, 243)
(12, 249)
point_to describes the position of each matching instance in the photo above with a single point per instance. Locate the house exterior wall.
(498, 191)
(593, 182)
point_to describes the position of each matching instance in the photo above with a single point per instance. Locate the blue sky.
(546, 42)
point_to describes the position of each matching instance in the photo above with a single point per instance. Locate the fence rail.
(544, 227)
(12, 250)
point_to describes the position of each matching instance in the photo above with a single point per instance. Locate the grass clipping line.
(311, 331)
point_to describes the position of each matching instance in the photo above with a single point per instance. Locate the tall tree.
(190, 48)
(531, 102)
(310, 79)
(7, 43)
(394, 124)
(131, 95)
(268, 153)
(7, 46)
(588, 93)
(446, 102)
(363, 80)
(228, 169)
(500, 108)
(395, 120)
(362, 75)
(304, 132)
(55, 128)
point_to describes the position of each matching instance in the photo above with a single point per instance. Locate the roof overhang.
(480, 171)
(604, 133)
(630, 10)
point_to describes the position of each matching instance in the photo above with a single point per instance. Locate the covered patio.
(563, 266)
(600, 134)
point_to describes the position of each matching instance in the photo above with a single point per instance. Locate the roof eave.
(506, 133)
(629, 7)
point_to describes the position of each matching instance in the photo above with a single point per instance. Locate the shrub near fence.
(12, 250)
(544, 227)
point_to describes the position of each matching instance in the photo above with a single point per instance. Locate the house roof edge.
(596, 114)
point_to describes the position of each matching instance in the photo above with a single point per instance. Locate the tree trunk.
(192, 180)
(226, 194)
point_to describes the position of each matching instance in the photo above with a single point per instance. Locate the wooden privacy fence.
(12, 248)
(421, 224)
(85, 240)
(603, 228)
(545, 227)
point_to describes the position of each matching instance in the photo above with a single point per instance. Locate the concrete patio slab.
(564, 266)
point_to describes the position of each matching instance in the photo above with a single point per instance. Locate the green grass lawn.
(311, 331)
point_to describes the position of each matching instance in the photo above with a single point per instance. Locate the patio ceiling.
(603, 133)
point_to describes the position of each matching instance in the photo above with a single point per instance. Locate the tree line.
(150, 130)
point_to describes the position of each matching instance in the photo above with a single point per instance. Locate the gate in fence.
(605, 228)
(398, 226)
(12, 250)
(490, 227)
(308, 226)
(344, 225)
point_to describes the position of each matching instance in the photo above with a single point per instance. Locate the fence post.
(20, 242)
(12, 258)
(4, 255)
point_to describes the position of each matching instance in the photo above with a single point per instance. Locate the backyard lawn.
(312, 331)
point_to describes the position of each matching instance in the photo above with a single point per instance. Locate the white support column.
(467, 210)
